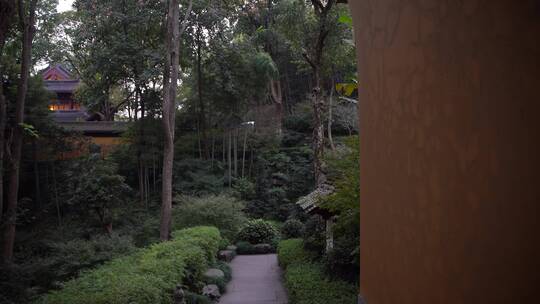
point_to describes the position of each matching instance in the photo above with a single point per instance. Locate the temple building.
(72, 116)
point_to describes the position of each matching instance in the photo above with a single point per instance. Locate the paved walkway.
(256, 279)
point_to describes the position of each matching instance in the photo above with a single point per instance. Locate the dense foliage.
(94, 188)
(344, 202)
(147, 276)
(292, 228)
(305, 280)
(223, 211)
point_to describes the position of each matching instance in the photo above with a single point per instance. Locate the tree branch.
(22, 18)
(311, 63)
(318, 5)
(186, 16)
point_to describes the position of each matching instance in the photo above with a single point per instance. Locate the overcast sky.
(64, 5)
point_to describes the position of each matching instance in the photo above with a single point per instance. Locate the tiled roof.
(311, 202)
(69, 116)
(95, 127)
(57, 70)
(62, 86)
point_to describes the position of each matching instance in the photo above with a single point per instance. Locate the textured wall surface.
(450, 172)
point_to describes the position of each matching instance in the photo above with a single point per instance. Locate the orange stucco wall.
(449, 132)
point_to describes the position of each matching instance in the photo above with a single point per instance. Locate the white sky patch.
(64, 5)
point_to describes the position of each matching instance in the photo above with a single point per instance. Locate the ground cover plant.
(146, 276)
(305, 279)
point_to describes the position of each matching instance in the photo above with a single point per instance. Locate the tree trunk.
(202, 112)
(277, 97)
(318, 132)
(213, 150)
(37, 190)
(235, 150)
(153, 171)
(250, 162)
(56, 202)
(27, 29)
(315, 61)
(223, 153)
(6, 11)
(147, 186)
(229, 159)
(3, 118)
(199, 144)
(244, 151)
(171, 73)
(141, 146)
(169, 101)
(330, 117)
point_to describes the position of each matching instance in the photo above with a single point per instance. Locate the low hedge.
(306, 281)
(146, 276)
(292, 251)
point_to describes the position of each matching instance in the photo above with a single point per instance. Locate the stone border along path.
(256, 279)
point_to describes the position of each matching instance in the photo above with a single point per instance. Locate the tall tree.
(27, 15)
(310, 38)
(171, 73)
(314, 57)
(6, 10)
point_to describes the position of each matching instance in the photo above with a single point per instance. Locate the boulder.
(214, 273)
(231, 248)
(263, 248)
(211, 291)
(226, 255)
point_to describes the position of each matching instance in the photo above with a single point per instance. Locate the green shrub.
(292, 251)
(343, 260)
(315, 234)
(225, 268)
(219, 282)
(146, 276)
(244, 248)
(193, 298)
(222, 211)
(292, 228)
(305, 279)
(258, 232)
(307, 284)
(93, 189)
(244, 188)
(224, 243)
(197, 177)
(70, 257)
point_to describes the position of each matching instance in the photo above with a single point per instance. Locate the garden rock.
(226, 255)
(178, 295)
(211, 291)
(262, 248)
(214, 273)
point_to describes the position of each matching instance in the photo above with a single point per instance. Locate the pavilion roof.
(95, 127)
(61, 86)
(311, 202)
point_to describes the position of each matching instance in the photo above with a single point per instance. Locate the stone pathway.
(256, 279)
